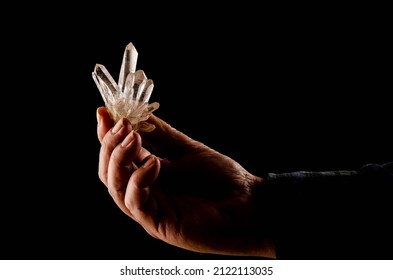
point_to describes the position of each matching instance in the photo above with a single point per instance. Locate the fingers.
(104, 122)
(120, 154)
(166, 141)
(121, 163)
(108, 144)
(138, 199)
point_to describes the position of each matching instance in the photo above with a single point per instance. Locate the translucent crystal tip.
(130, 96)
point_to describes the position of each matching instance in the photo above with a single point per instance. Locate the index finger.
(104, 122)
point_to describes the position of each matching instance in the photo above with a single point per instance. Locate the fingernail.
(119, 125)
(129, 138)
(99, 118)
(149, 162)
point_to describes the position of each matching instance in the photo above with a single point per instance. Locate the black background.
(278, 90)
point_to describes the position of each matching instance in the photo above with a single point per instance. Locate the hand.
(179, 190)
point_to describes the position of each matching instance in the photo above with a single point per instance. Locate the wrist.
(263, 216)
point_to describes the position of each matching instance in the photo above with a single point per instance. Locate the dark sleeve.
(344, 214)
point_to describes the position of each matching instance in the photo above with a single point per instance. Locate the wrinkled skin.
(179, 190)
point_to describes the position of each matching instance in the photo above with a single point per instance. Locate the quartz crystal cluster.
(129, 97)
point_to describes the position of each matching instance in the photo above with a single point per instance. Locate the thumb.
(166, 141)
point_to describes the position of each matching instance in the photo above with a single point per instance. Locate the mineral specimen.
(129, 97)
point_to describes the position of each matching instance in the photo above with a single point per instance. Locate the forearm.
(320, 214)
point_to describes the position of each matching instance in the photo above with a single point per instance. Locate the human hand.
(179, 190)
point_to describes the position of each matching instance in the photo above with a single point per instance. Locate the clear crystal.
(129, 97)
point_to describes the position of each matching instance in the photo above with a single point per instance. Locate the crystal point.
(129, 97)
(128, 65)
